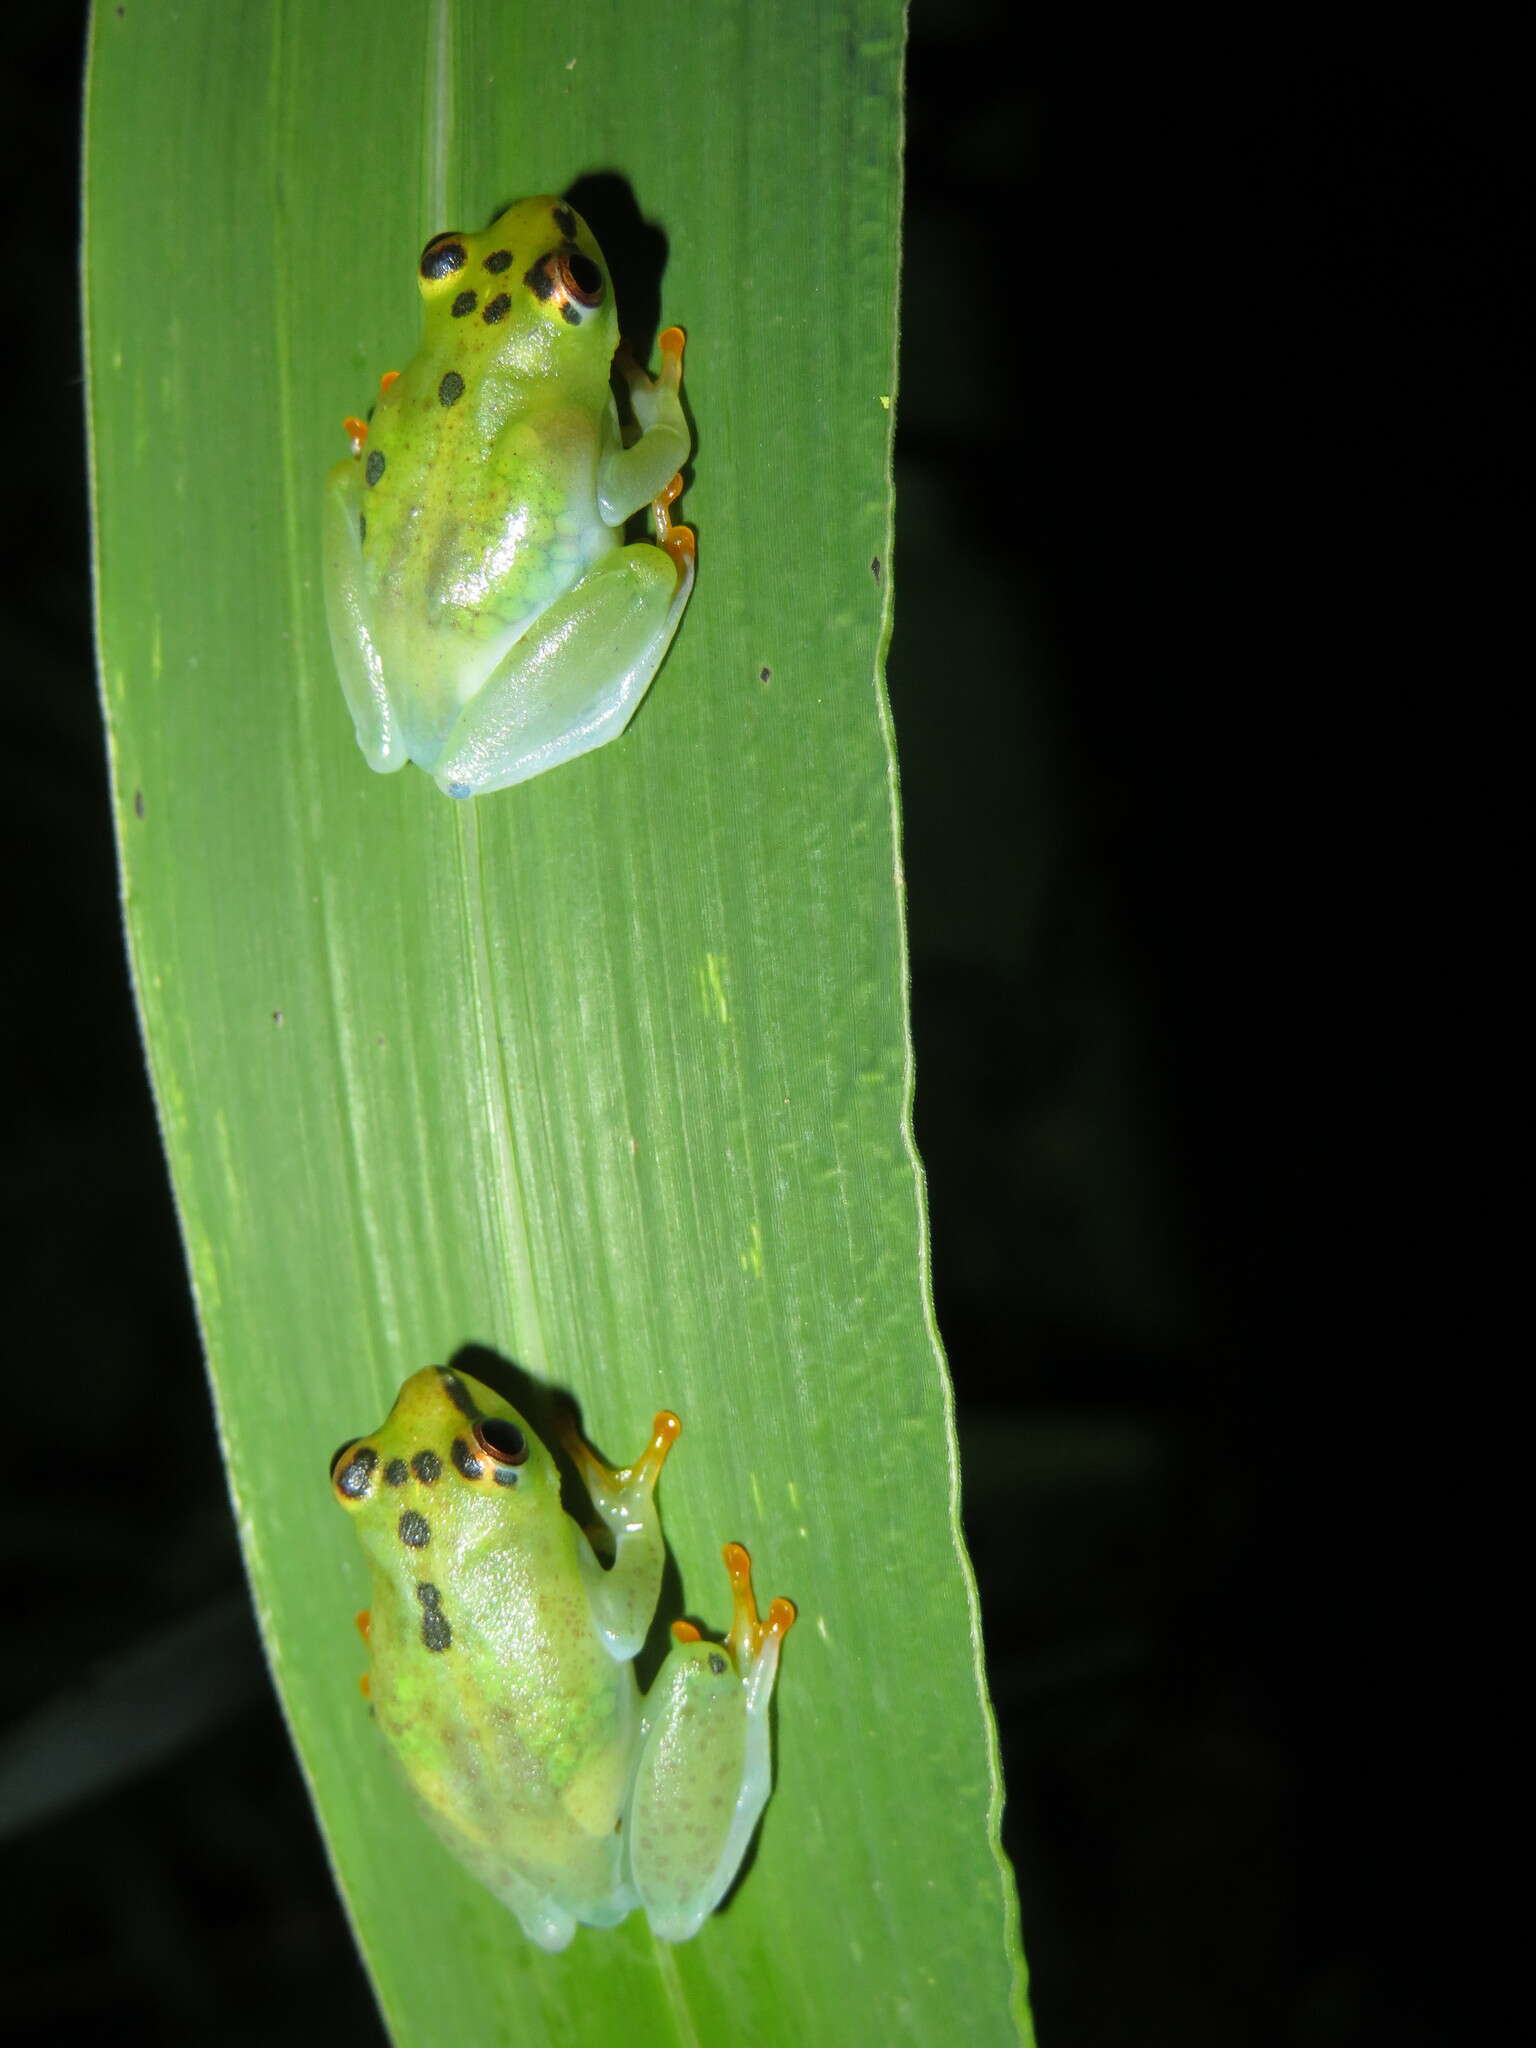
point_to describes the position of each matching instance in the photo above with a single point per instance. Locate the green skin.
(486, 618)
(501, 1671)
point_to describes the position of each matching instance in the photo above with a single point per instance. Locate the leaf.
(609, 1073)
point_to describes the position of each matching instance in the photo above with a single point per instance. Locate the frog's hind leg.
(347, 610)
(575, 678)
(704, 1769)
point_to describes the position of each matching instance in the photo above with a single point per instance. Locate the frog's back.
(471, 527)
(478, 495)
(517, 1733)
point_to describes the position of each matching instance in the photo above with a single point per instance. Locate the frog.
(502, 1634)
(488, 618)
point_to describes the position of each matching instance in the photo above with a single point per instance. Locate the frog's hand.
(628, 478)
(622, 1598)
(357, 659)
(575, 678)
(704, 1769)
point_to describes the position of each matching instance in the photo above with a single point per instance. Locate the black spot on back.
(717, 1663)
(428, 1467)
(498, 261)
(459, 1394)
(565, 221)
(570, 314)
(451, 390)
(539, 281)
(396, 1472)
(466, 302)
(498, 309)
(435, 1631)
(415, 1530)
(504, 1475)
(373, 468)
(465, 1463)
(362, 528)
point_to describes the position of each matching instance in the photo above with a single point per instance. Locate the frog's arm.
(357, 658)
(705, 1768)
(628, 478)
(623, 1597)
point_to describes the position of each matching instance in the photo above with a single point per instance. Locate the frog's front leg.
(628, 478)
(622, 1598)
(704, 1769)
(574, 679)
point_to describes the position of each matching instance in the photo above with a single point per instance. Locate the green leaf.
(609, 1073)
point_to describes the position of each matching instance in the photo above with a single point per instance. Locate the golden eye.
(502, 1442)
(580, 276)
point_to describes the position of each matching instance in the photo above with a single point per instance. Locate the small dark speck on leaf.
(138, 803)
(277, 1019)
(874, 568)
(765, 674)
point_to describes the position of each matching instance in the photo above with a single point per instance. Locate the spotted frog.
(501, 1673)
(488, 621)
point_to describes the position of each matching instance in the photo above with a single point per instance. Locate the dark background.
(1182, 356)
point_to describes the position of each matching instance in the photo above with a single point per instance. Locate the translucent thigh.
(574, 679)
(348, 613)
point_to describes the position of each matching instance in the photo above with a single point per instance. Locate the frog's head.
(450, 1465)
(530, 293)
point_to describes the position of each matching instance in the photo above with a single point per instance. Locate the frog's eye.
(502, 1442)
(442, 256)
(580, 277)
(352, 1469)
(568, 278)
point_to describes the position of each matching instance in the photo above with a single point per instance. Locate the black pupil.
(503, 1440)
(441, 258)
(585, 275)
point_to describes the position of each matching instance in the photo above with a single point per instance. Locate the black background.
(1191, 344)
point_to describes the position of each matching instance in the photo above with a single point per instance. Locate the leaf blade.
(610, 1073)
